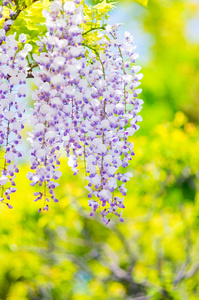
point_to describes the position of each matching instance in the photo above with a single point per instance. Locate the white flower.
(97, 142)
(41, 153)
(130, 131)
(108, 159)
(22, 38)
(57, 79)
(120, 106)
(39, 127)
(75, 51)
(139, 118)
(9, 156)
(72, 160)
(96, 180)
(69, 6)
(140, 101)
(112, 170)
(95, 103)
(58, 61)
(109, 28)
(55, 6)
(11, 52)
(105, 194)
(102, 148)
(112, 183)
(44, 109)
(56, 101)
(127, 77)
(4, 58)
(57, 174)
(69, 90)
(135, 84)
(139, 76)
(105, 124)
(14, 80)
(28, 47)
(2, 33)
(17, 126)
(77, 19)
(136, 69)
(45, 87)
(9, 115)
(83, 83)
(109, 108)
(135, 56)
(127, 34)
(68, 108)
(3, 180)
(138, 91)
(91, 168)
(50, 134)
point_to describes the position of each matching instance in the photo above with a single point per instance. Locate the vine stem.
(92, 29)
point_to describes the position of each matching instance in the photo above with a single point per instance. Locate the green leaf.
(31, 22)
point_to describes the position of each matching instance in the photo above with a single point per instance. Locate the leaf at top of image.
(110, 4)
(31, 22)
(105, 6)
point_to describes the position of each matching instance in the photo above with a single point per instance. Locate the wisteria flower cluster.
(86, 105)
(13, 68)
(112, 118)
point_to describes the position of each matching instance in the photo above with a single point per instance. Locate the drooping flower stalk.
(57, 100)
(13, 67)
(109, 148)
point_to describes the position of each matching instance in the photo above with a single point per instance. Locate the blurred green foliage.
(65, 254)
(171, 77)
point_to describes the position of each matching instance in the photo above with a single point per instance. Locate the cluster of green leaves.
(28, 20)
(96, 20)
(31, 22)
(171, 76)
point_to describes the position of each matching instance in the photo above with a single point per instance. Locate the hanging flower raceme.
(111, 118)
(13, 67)
(56, 101)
